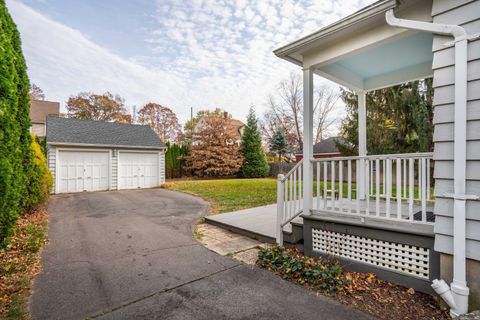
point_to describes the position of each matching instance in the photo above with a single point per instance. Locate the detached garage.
(85, 155)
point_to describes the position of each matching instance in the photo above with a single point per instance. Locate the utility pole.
(134, 115)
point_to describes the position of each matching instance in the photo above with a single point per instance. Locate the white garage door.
(83, 171)
(138, 170)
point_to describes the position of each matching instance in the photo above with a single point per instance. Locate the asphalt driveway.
(132, 255)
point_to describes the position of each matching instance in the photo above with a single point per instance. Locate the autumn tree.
(104, 107)
(255, 162)
(213, 152)
(285, 112)
(162, 120)
(36, 93)
(190, 124)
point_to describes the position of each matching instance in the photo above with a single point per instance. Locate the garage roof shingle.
(88, 132)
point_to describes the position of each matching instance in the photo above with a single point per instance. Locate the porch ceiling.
(402, 59)
(362, 52)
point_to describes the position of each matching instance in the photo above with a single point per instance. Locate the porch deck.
(260, 222)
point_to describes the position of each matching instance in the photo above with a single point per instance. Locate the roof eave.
(92, 145)
(347, 22)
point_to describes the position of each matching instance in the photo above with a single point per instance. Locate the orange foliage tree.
(101, 107)
(162, 120)
(214, 152)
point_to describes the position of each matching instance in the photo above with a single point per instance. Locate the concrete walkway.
(132, 255)
(259, 221)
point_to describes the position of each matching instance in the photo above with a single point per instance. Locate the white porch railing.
(394, 187)
(289, 198)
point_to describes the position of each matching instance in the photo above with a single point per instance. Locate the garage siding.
(114, 170)
(464, 13)
(161, 168)
(52, 164)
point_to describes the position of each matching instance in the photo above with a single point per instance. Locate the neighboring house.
(87, 155)
(39, 111)
(326, 148)
(401, 219)
(235, 128)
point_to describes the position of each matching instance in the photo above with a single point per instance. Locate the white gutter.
(456, 296)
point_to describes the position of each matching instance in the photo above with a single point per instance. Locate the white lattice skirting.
(402, 258)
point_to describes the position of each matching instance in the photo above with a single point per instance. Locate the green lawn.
(230, 194)
(227, 195)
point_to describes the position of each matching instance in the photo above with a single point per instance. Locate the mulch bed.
(20, 262)
(385, 300)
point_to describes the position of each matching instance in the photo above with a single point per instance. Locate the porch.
(395, 188)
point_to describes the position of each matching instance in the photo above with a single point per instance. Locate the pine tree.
(254, 160)
(16, 164)
(399, 120)
(279, 144)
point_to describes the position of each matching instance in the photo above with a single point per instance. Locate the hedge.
(17, 166)
(174, 160)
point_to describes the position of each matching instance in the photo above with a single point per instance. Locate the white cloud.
(205, 53)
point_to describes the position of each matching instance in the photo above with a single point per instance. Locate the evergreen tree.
(279, 144)
(15, 140)
(254, 160)
(399, 120)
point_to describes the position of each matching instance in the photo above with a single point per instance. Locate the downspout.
(456, 296)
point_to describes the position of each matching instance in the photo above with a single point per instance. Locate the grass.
(227, 195)
(19, 263)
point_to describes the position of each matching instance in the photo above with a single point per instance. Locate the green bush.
(326, 275)
(40, 183)
(254, 160)
(15, 153)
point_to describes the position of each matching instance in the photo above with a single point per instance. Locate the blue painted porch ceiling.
(402, 53)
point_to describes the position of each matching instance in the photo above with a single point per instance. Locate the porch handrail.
(289, 198)
(391, 186)
(379, 156)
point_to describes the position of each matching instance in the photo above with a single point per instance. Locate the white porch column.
(362, 143)
(307, 140)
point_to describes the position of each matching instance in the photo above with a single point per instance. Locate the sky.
(179, 53)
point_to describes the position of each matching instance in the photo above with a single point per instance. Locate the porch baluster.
(411, 188)
(388, 188)
(332, 187)
(349, 185)
(399, 188)
(424, 189)
(340, 185)
(377, 187)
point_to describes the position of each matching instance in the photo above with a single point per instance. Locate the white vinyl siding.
(466, 14)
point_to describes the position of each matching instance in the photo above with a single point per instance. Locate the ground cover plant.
(363, 291)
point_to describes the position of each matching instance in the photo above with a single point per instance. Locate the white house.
(86, 155)
(400, 223)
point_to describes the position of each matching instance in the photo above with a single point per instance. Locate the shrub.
(326, 275)
(15, 154)
(175, 160)
(40, 183)
(255, 162)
